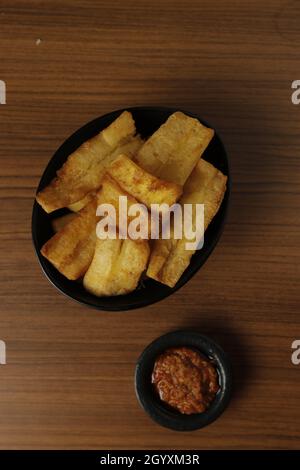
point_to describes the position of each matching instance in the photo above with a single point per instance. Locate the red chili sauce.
(185, 380)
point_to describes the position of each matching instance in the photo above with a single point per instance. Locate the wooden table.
(68, 381)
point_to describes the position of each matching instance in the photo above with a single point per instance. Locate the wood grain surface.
(68, 381)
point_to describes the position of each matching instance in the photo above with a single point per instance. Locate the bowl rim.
(192, 269)
(145, 394)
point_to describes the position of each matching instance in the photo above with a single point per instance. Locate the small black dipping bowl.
(148, 397)
(147, 120)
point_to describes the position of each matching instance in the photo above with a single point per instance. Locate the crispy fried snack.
(174, 149)
(169, 258)
(140, 184)
(62, 221)
(77, 206)
(111, 191)
(72, 248)
(116, 267)
(84, 169)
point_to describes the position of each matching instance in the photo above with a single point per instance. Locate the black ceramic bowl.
(147, 120)
(149, 399)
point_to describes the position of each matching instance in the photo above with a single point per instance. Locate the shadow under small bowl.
(148, 120)
(148, 398)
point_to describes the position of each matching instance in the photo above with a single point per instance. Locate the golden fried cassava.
(72, 248)
(145, 187)
(116, 267)
(170, 258)
(84, 169)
